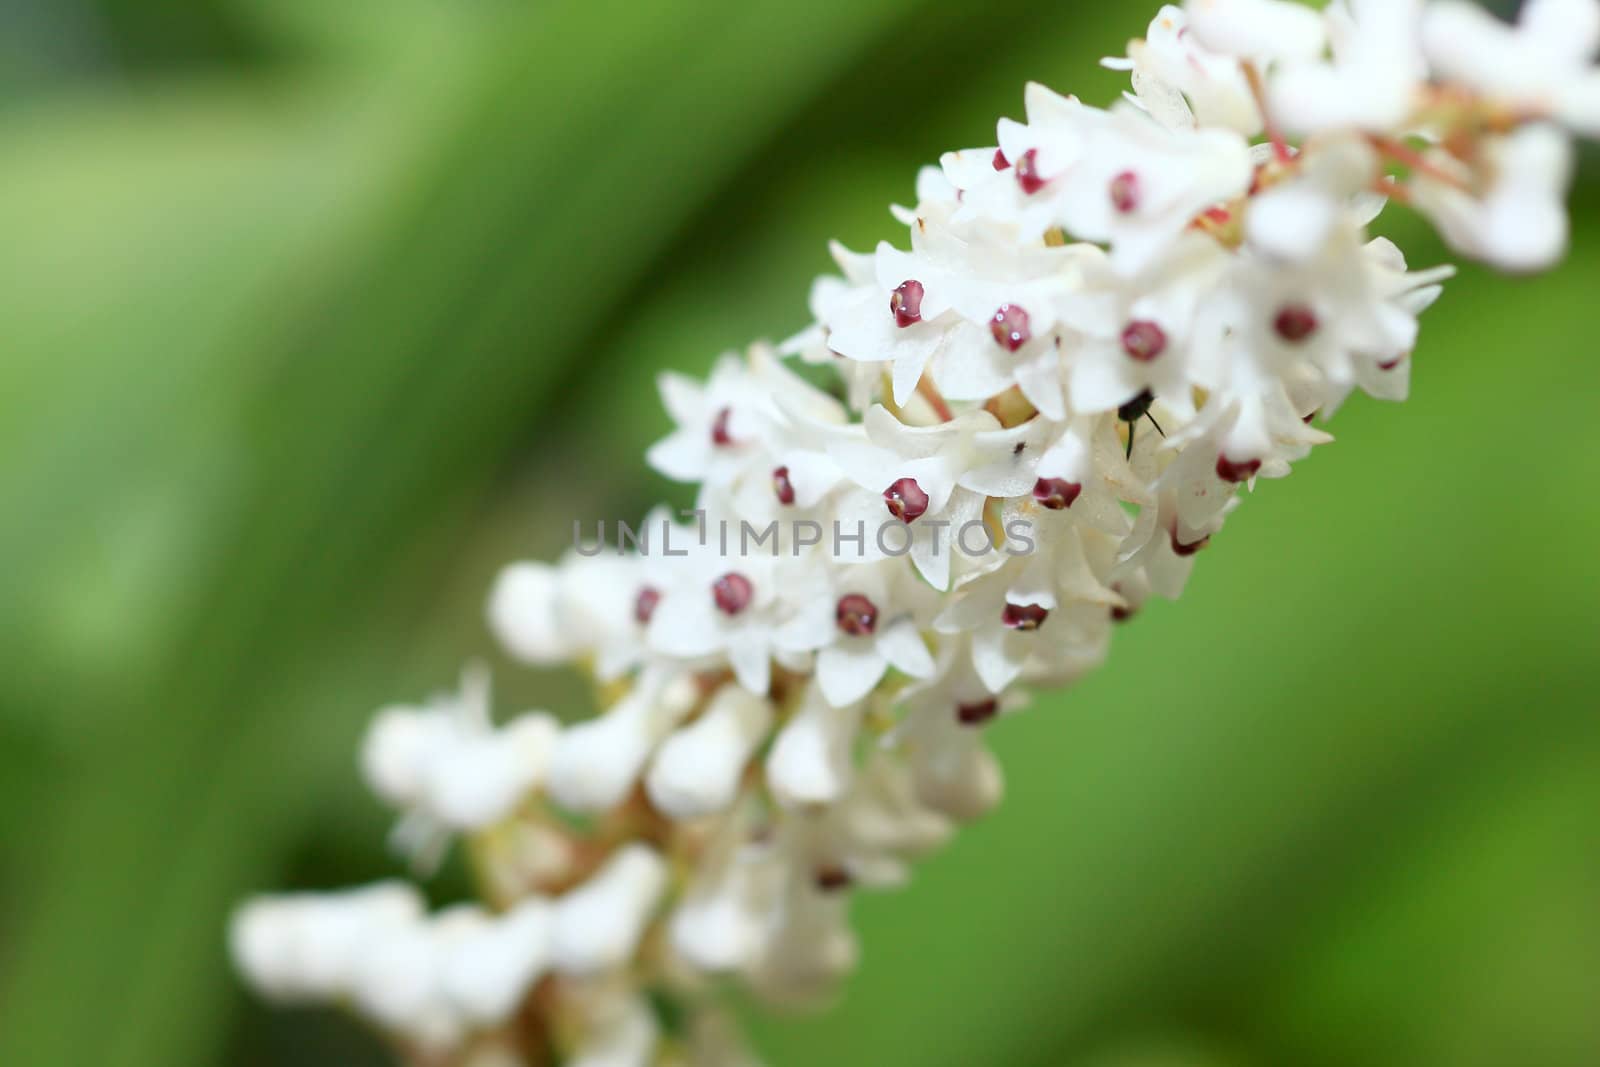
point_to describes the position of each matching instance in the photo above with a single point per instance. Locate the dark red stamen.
(1056, 493)
(831, 878)
(644, 605)
(1023, 617)
(978, 712)
(906, 303)
(1125, 192)
(1242, 471)
(1028, 172)
(1144, 340)
(1009, 327)
(782, 486)
(1295, 322)
(1188, 549)
(732, 593)
(1000, 161)
(856, 615)
(719, 428)
(906, 500)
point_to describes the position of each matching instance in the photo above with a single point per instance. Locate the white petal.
(810, 761)
(848, 669)
(522, 613)
(489, 972)
(902, 645)
(597, 925)
(697, 770)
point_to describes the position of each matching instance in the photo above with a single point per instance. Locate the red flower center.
(1056, 493)
(1125, 192)
(1242, 471)
(1028, 172)
(644, 605)
(1009, 327)
(1025, 617)
(978, 712)
(719, 428)
(906, 303)
(782, 486)
(1144, 340)
(1188, 549)
(1295, 322)
(732, 593)
(906, 500)
(856, 615)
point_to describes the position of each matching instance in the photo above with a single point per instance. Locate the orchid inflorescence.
(1104, 326)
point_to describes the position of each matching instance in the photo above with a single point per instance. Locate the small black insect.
(1134, 410)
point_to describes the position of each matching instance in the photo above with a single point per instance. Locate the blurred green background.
(314, 313)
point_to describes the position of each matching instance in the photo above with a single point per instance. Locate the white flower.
(860, 624)
(720, 923)
(870, 836)
(830, 297)
(941, 739)
(1373, 79)
(598, 924)
(1545, 64)
(918, 488)
(1021, 190)
(728, 602)
(399, 978)
(308, 946)
(1031, 607)
(1141, 184)
(696, 772)
(902, 327)
(595, 603)
(1179, 82)
(488, 971)
(595, 763)
(522, 614)
(449, 768)
(1256, 29)
(811, 763)
(1518, 222)
(807, 947)
(1133, 335)
(725, 427)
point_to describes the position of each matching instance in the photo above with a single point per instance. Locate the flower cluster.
(1103, 327)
